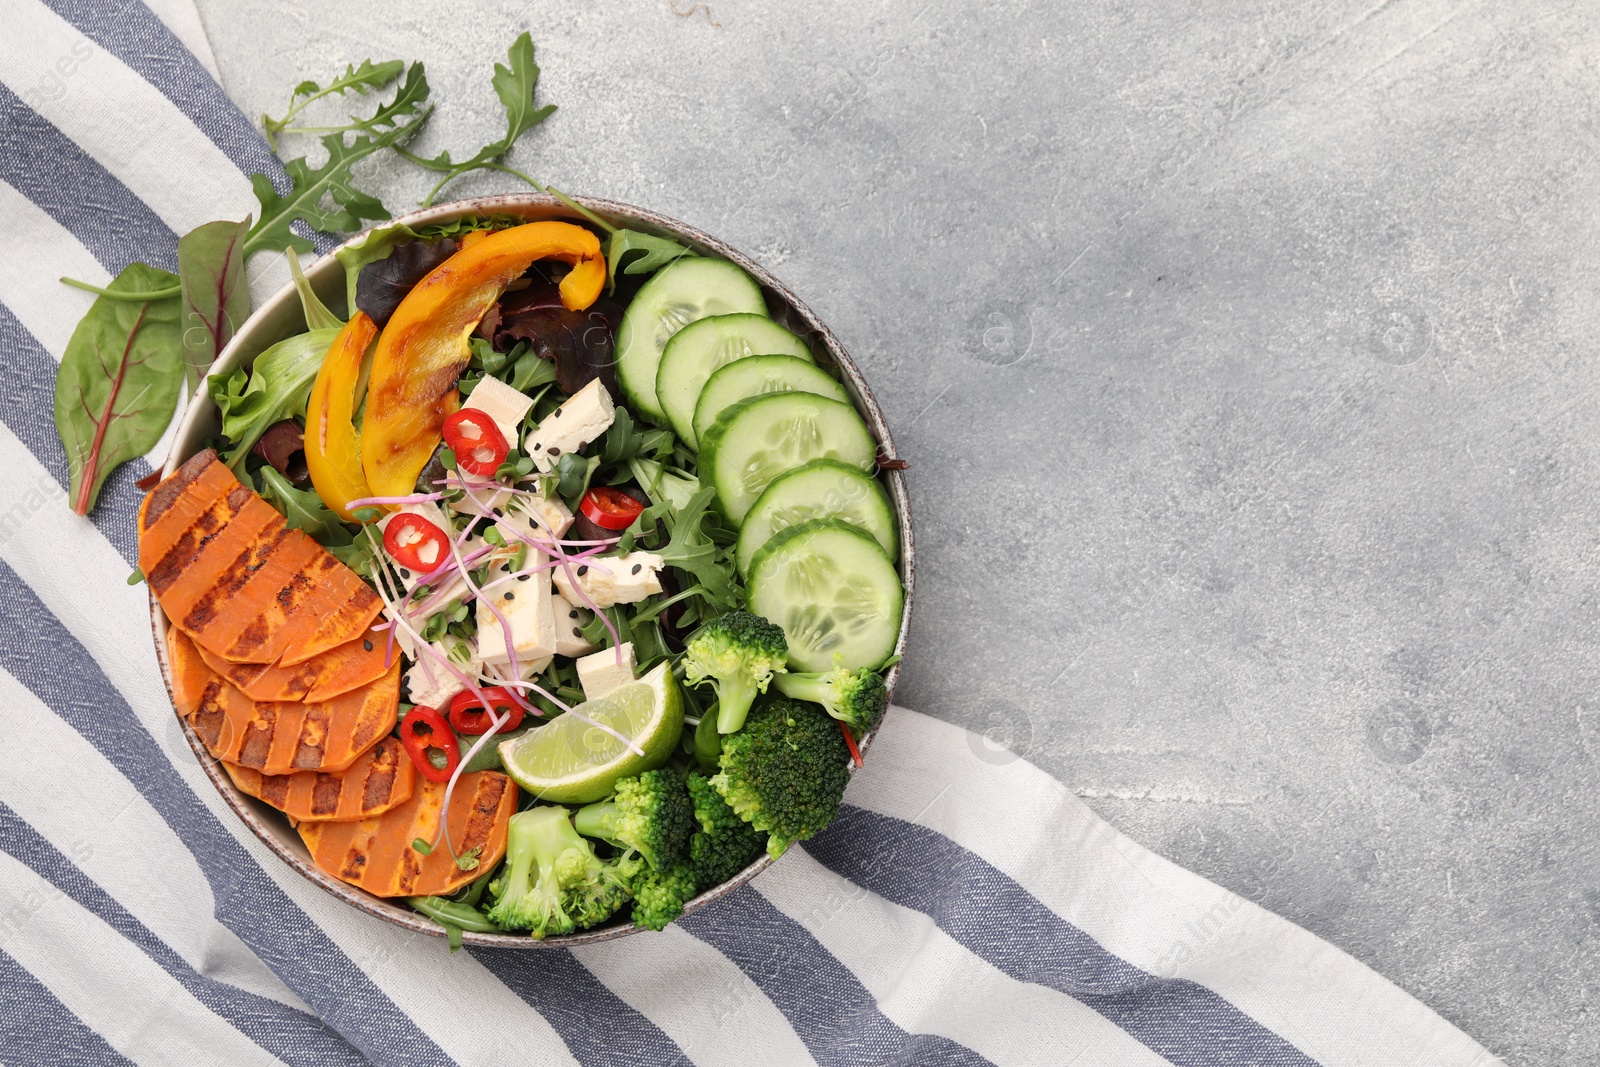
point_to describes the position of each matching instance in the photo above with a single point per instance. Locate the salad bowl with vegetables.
(531, 571)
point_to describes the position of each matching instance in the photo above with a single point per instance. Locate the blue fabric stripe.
(37, 1029)
(918, 868)
(827, 1005)
(598, 1027)
(45, 657)
(47, 167)
(130, 31)
(27, 405)
(288, 1034)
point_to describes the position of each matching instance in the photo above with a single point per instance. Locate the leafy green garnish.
(361, 79)
(633, 252)
(325, 197)
(516, 86)
(275, 388)
(118, 383)
(318, 317)
(693, 550)
(216, 296)
(301, 508)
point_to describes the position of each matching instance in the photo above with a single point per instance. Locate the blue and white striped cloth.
(140, 920)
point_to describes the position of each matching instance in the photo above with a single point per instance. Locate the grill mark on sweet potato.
(208, 716)
(485, 803)
(244, 567)
(257, 743)
(275, 789)
(313, 738)
(164, 495)
(189, 545)
(379, 786)
(325, 793)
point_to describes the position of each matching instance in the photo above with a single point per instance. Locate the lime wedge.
(571, 760)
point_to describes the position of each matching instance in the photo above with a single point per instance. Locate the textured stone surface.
(1245, 356)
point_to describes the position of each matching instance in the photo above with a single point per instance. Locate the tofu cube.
(528, 609)
(608, 580)
(586, 415)
(570, 620)
(503, 404)
(427, 681)
(604, 671)
(550, 517)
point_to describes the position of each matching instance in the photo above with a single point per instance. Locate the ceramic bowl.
(281, 317)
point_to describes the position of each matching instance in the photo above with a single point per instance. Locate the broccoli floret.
(855, 698)
(785, 772)
(739, 652)
(659, 896)
(553, 883)
(725, 844)
(651, 814)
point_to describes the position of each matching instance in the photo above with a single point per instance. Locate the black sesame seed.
(576, 632)
(498, 513)
(554, 451)
(367, 645)
(523, 577)
(583, 570)
(573, 614)
(538, 445)
(637, 567)
(556, 414)
(511, 596)
(405, 572)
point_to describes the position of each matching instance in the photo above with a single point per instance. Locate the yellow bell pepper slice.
(333, 453)
(423, 349)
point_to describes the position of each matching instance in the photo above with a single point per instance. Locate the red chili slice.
(609, 508)
(468, 717)
(422, 730)
(479, 445)
(415, 543)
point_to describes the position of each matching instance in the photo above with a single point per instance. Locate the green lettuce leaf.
(275, 388)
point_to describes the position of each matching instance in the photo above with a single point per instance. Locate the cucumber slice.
(822, 489)
(680, 293)
(834, 592)
(701, 347)
(757, 376)
(758, 439)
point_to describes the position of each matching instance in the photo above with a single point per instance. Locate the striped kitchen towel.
(140, 920)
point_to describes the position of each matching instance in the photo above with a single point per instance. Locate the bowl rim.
(248, 341)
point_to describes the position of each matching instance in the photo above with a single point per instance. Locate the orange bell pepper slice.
(423, 349)
(333, 453)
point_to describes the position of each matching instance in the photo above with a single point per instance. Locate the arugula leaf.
(363, 79)
(302, 509)
(516, 86)
(639, 253)
(311, 189)
(118, 382)
(216, 296)
(692, 550)
(275, 388)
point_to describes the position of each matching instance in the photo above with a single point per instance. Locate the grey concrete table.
(1246, 357)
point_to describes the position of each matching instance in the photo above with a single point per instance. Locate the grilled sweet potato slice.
(376, 854)
(322, 677)
(281, 737)
(229, 571)
(382, 778)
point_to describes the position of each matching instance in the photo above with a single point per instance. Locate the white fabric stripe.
(30, 286)
(113, 626)
(93, 109)
(181, 17)
(108, 982)
(1139, 906)
(698, 997)
(116, 838)
(927, 983)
